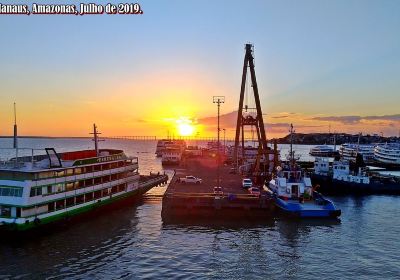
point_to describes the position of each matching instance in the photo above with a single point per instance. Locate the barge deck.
(182, 201)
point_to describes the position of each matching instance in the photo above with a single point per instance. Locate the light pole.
(224, 141)
(218, 100)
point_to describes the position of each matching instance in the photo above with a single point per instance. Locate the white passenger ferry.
(350, 151)
(173, 152)
(323, 151)
(388, 153)
(161, 146)
(164, 144)
(49, 186)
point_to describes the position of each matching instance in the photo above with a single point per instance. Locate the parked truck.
(190, 179)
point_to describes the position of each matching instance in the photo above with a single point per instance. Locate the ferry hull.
(324, 154)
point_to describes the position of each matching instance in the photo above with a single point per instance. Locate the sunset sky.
(318, 63)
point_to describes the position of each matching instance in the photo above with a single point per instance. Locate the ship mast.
(358, 142)
(96, 139)
(291, 145)
(15, 146)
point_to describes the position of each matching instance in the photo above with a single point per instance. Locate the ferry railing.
(17, 157)
(160, 179)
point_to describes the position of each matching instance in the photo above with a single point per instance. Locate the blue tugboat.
(294, 195)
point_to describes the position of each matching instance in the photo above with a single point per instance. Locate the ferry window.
(114, 189)
(88, 182)
(49, 189)
(97, 180)
(5, 211)
(78, 171)
(79, 199)
(69, 186)
(89, 197)
(106, 179)
(97, 194)
(70, 201)
(59, 187)
(70, 172)
(19, 193)
(35, 192)
(88, 169)
(60, 204)
(81, 184)
(106, 166)
(44, 175)
(97, 167)
(51, 206)
(5, 191)
(105, 192)
(121, 164)
(44, 190)
(60, 173)
(121, 188)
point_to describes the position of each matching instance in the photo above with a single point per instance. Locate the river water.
(134, 243)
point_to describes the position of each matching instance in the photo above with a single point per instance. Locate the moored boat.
(165, 143)
(388, 153)
(173, 152)
(323, 151)
(349, 151)
(46, 187)
(294, 195)
(352, 177)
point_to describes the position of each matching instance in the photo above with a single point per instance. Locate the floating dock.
(184, 201)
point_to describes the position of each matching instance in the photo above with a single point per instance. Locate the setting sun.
(185, 126)
(185, 129)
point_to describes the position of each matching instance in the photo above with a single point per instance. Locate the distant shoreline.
(50, 137)
(298, 138)
(331, 139)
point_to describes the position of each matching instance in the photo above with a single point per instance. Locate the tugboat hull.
(321, 208)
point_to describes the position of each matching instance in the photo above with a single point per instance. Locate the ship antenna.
(358, 142)
(291, 145)
(96, 139)
(15, 127)
(334, 141)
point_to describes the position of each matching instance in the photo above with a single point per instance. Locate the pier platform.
(187, 200)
